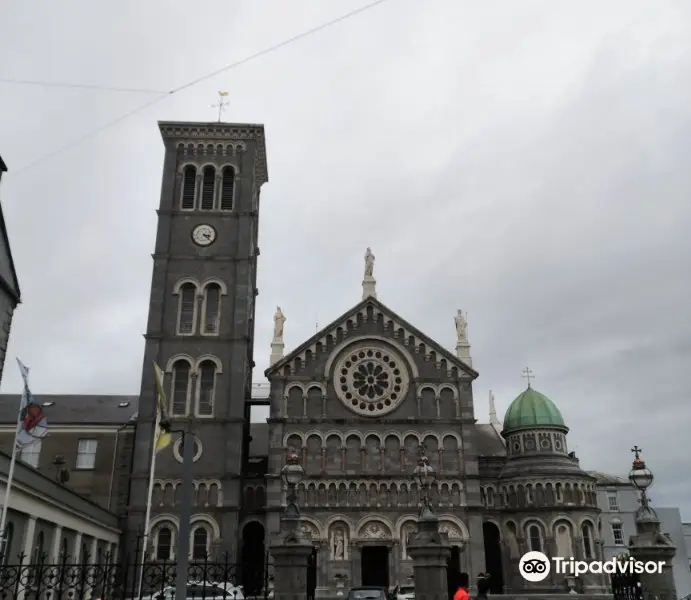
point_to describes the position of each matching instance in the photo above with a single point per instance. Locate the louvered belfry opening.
(208, 185)
(188, 185)
(227, 188)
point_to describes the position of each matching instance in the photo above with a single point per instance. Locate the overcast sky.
(525, 161)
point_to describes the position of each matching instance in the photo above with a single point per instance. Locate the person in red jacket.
(461, 593)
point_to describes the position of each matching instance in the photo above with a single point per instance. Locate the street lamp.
(424, 476)
(292, 474)
(640, 476)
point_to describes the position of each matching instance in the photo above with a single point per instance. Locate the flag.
(32, 424)
(162, 435)
(223, 94)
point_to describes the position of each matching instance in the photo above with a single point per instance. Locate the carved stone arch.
(320, 434)
(562, 517)
(433, 434)
(401, 522)
(393, 433)
(427, 386)
(314, 527)
(173, 359)
(247, 520)
(294, 384)
(315, 384)
(448, 386)
(338, 350)
(453, 434)
(380, 436)
(497, 525)
(221, 284)
(207, 520)
(375, 523)
(165, 518)
(340, 518)
(290, 434)
(356, 433)
(181, 167)
(460, 525)
(528, 521)
(180, 282)
(590, 521)
(203, 166)
(334, 432)
(213, 359)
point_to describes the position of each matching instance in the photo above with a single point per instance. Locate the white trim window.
(206, 387)
(618, 534)
(32, 453)
(613, 501)
(86, 454)
(164, 542)
(199, 542)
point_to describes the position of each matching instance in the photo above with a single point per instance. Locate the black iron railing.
(111, 580)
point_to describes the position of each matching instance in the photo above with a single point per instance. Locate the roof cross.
(222, 104)
(528, 374)
(637, 451)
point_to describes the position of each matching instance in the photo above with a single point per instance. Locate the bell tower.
(201, 328)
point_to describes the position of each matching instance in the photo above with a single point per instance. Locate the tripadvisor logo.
(535, 566)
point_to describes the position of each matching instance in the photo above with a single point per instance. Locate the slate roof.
(75, 409)
(489, 442)
(607, 479)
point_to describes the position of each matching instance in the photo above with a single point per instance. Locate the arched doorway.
(493, 562)
(253, 556)
(454, 577)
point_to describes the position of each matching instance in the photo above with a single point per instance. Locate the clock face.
(203, 235)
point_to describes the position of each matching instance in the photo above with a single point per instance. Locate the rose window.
(370, 381)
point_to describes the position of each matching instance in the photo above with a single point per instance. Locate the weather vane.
(528, 374)
(222, 104)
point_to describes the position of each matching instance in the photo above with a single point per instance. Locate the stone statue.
(563, 540)
(279, 320)
(512, 543)
(338, 543)
(461, 327)
(369, 263)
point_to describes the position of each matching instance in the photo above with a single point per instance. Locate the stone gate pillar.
(291, 558)
(430, 553)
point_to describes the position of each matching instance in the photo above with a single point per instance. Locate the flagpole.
(10, 475)
(147, 518)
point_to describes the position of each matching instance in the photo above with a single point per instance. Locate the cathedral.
(357, 402)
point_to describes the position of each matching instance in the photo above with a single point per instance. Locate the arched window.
(208, 188)
(187, 304)
(228, 188)
(535, 538)
(164, 543)
(200, 543)
(7, 544)
(212, 308)
(207, 383)
(587, 535)
(189, 185)
(181, 388)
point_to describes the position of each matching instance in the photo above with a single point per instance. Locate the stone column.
(291, 558)
(649, 544)
(430, 553)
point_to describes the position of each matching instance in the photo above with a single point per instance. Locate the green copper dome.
(532, 409)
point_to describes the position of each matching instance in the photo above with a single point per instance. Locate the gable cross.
(528, 374)
(222, 104)
(637, 452)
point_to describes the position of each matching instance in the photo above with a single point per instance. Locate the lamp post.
(424, 477)
(640, 476)
(292, 474)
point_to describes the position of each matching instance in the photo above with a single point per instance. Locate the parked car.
(197, 591)
(369, 593)
(404, 592)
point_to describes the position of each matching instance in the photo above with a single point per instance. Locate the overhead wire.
(142, 107)
(82, 86)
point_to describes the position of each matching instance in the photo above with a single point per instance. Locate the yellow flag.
(162, 438)
(222, 93)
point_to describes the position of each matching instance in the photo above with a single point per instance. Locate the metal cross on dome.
(528, 374)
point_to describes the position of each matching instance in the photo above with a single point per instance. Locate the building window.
(227, 188)
(38, 553)
(187, 308)
(86, 454)
(587, 534)
(208, 188)
(189, 186)
(65, 549)
(181, 388)
(535, 538)
(164, 543)
(613, 501)
(618, 534)
(7, 543)
(30, 454)
(200, 543)
(207, 383)
(212, 308)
